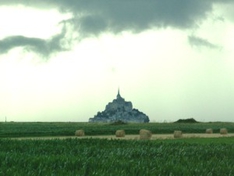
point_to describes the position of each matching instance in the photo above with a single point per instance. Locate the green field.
(104, 157)
(28, 129)
(117, 157)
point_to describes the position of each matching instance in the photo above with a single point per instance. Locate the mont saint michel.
(120, 110)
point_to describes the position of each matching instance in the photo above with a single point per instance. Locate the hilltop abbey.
(120, 110)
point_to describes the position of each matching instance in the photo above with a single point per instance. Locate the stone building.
(120, 110)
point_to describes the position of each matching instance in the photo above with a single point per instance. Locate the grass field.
(117, 157)
(28, 129)
(106, 157)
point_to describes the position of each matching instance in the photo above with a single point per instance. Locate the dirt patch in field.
(133, 137)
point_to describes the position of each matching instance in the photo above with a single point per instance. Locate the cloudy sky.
(64, 60)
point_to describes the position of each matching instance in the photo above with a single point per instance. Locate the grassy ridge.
(117, 157)
(27, 129)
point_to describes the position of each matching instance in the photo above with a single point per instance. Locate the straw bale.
(177, 134)
(145, 134)
(79, 133)
(223, 131)
(120, 133)
(209, 131)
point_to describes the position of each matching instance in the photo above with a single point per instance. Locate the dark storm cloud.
(197, 41)
(93, 17)
(97, 16)
(37, 45)
(17, 41)
(117, 15)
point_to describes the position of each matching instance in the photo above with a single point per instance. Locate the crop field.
(28, 129)
(106, 157)
(117, 157)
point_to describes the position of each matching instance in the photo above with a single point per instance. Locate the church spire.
(118, 95)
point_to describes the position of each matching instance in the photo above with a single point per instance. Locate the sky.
(65, 60)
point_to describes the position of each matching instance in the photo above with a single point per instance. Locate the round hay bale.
(79, 133)
(120, 133)
(145, 134)
(177, 134)
(223, 131)
(209, 131)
